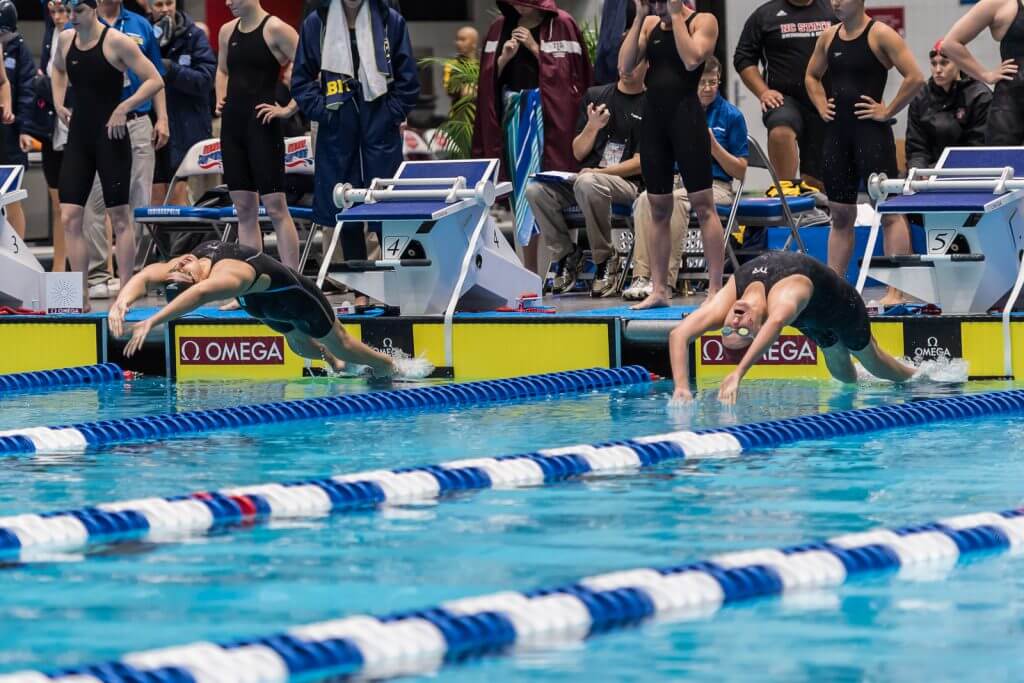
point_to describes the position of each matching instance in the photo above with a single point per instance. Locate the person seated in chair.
(729, 150)
(606, 143)
(766, 294)
(951, 111)
(274, 294)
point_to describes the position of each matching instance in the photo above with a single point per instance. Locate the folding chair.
(765, 211)
(204, 158)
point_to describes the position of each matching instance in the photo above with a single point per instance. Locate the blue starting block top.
(10, 178)
(949, 202)
(473, 170)
(984, 157)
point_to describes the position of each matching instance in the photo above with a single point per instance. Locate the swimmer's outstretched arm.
(780, 314)
(224, 284)
(135, 289)
(707, 317)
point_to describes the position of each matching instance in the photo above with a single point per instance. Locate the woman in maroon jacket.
(533, 44)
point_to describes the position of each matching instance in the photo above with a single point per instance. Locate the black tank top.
(1012, 44)
(253, 70)
(91, 74)
(773, 267)
(281, 278)
(854, 70)
(668, 81)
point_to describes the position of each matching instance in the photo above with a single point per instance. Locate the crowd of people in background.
(657, 135)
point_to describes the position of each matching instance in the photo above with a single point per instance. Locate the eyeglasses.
(709, 84)
(742, 332)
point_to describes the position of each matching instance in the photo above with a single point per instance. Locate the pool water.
(80, 608)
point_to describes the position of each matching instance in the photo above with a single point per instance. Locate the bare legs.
(78, 248)
(882, 365)
(841, 237)
(339, 348)
(60, 256)
(179, 195)
(783, 152)
(897, 243)
(659, 244)
(247, 205)
(16, 217)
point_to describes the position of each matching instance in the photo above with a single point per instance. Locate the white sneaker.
(638, 290)
(99, 291)
(114, 285)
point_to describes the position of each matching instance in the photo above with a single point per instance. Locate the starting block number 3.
(394, 247)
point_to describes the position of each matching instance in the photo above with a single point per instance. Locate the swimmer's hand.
(265, 113)
(681, 397)
(642, 9)
(869, 110)
(729, 389)
(829, 112)
(117, 125)
(139, 334)
(772, 99)
(1006, 71)
(64, 114)
(115, 317)
(675, 6)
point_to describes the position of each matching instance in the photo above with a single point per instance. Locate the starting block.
(971, 204)
(441, 248)
(23, 281)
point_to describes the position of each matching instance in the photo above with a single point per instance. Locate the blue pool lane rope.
(64, 377)
(176, 517)
(94, 435)
(423, 641)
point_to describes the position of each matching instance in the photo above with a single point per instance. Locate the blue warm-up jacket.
(360, 140)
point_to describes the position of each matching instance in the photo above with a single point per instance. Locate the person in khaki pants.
(729, 151)
(607, 137)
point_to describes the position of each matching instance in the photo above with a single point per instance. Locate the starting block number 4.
(394, 247)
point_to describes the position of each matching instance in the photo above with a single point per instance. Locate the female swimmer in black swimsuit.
(275, 295)
(774, 290)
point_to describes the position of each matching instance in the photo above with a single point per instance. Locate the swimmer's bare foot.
(894, 297)
(232, 305)
(652, 301)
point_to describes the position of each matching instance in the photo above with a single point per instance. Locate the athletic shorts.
(809, 127)
(162, 171)
(852, 152)
(52, 160)
(252, 153)
(676, 140)
(302, 307)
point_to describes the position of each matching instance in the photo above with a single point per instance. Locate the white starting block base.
(973, 209)
(23, 282)
(438, 244)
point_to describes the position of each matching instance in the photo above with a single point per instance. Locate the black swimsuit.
(855, 148)
(291, 302)
(1006, 114)
(675, 125)
(835, 313)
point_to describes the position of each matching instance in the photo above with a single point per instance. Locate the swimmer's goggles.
(741, 332)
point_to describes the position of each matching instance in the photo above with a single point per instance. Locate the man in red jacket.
(533, 44)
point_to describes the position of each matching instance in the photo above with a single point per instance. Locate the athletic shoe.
(99, 291)
(789, 189)
(606, 279)
(638, 290)
(567, 270)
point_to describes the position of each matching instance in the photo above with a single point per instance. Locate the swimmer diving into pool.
(767, 294)
(280, 298)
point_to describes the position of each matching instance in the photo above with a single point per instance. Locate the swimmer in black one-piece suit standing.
(857, 55)
(774, 290)
(676, 41)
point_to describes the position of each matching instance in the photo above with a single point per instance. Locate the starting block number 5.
(394, 247)
(940, 240)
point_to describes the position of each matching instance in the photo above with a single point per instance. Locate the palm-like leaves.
(463, 76)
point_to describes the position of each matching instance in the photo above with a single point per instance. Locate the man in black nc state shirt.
(781, 35)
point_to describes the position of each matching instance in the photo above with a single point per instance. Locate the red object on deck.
(218, 14)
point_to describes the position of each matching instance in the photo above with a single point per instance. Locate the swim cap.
(75, 3)
(936, 49)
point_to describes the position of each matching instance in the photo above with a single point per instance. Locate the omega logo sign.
(933, 350)
(793, 349)
(231, 350)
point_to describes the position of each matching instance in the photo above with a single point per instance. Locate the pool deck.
(581, 332)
